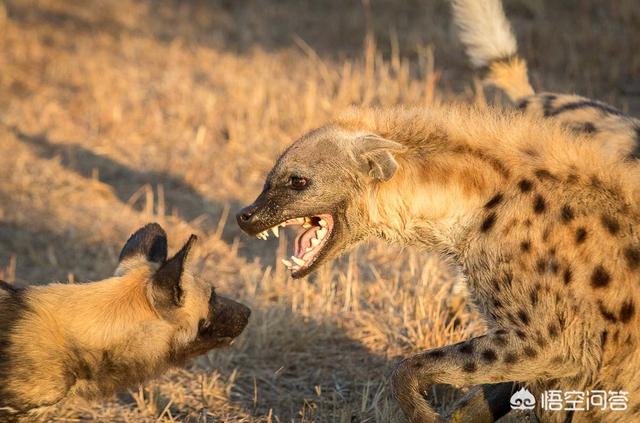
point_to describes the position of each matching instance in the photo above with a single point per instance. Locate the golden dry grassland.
(115, 113)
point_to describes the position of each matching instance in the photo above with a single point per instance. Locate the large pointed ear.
(375, 155)
(167, 281)
(147, 245)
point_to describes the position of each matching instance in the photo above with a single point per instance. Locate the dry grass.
(116, 113)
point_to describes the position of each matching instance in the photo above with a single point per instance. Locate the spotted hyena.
(490, 44)
(541, 223)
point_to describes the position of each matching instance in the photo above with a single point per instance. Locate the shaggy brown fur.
(541, 224)
(93, 339)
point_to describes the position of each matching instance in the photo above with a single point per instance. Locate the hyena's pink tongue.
(303, 241)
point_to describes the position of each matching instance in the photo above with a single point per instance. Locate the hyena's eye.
(298, 182)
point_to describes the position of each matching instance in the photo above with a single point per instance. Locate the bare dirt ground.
(115, 113)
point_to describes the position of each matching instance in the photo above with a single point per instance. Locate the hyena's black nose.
(247, 217)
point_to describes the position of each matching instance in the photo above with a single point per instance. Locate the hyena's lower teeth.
(308, 249)
(298, 261)
(276, 232)
(306, 225)
(321, 233)
(315, 242)
(287, 263)
(322, 223)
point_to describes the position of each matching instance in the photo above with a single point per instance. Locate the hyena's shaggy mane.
(440, 136)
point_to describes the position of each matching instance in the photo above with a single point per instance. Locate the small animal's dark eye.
(299, 183)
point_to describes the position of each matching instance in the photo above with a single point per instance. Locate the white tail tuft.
(484, 30)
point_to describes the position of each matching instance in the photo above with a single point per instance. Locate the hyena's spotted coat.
(539, 220)
(552, 259)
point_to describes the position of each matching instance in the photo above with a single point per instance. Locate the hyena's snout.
(229, 318)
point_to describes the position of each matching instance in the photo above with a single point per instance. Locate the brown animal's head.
(202, 319)
(319, 183)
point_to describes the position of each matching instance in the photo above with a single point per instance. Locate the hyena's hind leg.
(500, 356)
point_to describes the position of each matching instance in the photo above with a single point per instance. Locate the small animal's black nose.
(246, 216)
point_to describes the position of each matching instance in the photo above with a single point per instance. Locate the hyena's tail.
(489, 41)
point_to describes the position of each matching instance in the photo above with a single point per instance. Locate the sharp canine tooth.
(308, 249)
(298, 261)
(275, 231)
(315, 242)
(321, 233)
(322, 223)
(287, 263)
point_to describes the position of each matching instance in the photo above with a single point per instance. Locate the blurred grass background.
(114, 113)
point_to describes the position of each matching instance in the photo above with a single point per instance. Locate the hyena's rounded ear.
(147, 244)
(167, 281)
(375, 156)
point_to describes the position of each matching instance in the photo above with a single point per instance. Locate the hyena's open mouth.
(314, 233)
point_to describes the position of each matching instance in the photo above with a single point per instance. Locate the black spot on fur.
(525, 246)
(541, 265)
(608, 315)
(500, 340)
(510, 358)
(585, 127)
(497, 303)
(533, 296)
(581, 235)
(520, 334)
(435, 353)
(627, 311)
(530, 352)
(539, 205)
(488, 356)
(469, 367)
(496, 285)
(525, 185)
(523, 316)
(553, 330)
(466, 348)
(547, 104)
(417, 364)
(566, 214)
(632, 255)
(543, 174)
(610, 224)
(600, 277)
(488, 222)
(585, 104)
(567, 276)
(494, 201)
(540, 340)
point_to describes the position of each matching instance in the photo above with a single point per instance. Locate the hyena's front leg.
(500, 356)
(484, 403)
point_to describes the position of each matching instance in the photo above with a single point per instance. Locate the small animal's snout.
(246, 217)
(230, 317)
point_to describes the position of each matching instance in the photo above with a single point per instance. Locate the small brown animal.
(490, 44)
(93, 339)
(541, 223)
